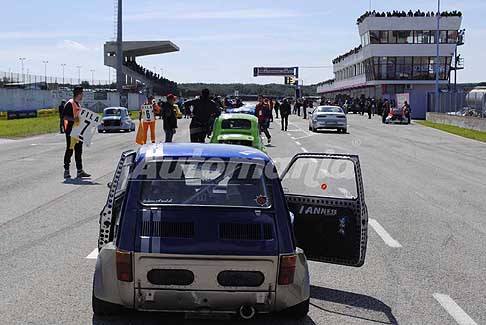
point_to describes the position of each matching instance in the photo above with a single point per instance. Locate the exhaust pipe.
(247, 312)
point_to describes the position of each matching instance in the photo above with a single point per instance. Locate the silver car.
(221, 232)
(328, 117)
(116, 119)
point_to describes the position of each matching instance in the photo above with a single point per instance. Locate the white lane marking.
(384, 234)
(298, 143)
(293, 138)
(93, 255)
(304, 149)
(454, 310)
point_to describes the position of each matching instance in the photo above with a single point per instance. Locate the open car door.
(109, 216)
(325, 193)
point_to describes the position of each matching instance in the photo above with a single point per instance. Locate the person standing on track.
(284, 113)
(169, 117)
(61, 116)
(263, 113)
(276, 106)
(71, 119)
(149, 117)
(204, 111)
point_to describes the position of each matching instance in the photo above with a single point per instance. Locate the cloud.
(37, 35)
(72, 45)
(242, 14)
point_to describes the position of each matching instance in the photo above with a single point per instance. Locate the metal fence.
(31, 81)
(471, 103)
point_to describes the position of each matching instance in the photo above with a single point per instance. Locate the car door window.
(326, 196)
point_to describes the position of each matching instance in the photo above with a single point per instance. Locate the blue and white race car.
(212, 228)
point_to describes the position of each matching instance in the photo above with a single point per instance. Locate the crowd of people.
(164, 85)
(369, 105)
(410, 13)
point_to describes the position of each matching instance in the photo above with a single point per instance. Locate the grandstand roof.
(142, 48)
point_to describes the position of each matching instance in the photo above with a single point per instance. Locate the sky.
(220, 40)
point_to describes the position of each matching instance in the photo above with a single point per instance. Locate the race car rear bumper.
(227, 302)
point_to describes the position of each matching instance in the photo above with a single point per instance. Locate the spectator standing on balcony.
(149, 117)
(204, 111)
(169, 117)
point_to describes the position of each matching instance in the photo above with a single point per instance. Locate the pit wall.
(467, 122)
(32, 100)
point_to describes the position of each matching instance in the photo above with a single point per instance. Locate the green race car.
(240, 129)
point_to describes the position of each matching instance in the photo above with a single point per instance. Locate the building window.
(452, 37)
(404, 36)
(443, 36)
(383, 37)
(393, 37)
(374, 37)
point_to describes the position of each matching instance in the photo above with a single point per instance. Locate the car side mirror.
(292, 217)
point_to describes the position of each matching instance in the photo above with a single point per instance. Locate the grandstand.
(137, 77)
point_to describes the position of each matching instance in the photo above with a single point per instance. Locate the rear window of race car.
(205, 183)
(236, 124)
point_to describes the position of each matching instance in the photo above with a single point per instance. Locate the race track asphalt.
(425, 191)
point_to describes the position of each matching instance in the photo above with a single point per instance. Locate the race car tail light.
(287, 269)
(124, 266)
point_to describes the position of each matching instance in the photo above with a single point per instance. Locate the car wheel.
(345, 130)
(103, 308)
(99, 131)
(310, 127)
(298, 311)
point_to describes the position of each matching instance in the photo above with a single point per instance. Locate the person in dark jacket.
(285, 110)
(204, 111)
(61, 116)
(263, 112)
(169, 117)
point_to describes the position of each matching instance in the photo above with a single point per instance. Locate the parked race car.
(328, 117)
(398, 115)
(220, 232)
(116, 119)
(241, 129)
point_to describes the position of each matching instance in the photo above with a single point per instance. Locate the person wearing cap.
(204, 112)
(168, 111)
(71, 119)
(149, 124)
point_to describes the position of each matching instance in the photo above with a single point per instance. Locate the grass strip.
(28, 127)
(463, 132)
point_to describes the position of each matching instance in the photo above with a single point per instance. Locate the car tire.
(99, 131)
(310, 127)
(103, 308)
(298, 311)
(345, 130)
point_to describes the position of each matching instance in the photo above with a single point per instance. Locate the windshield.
(329, 110)
(206, 183)
(236, 124)
(113, 112)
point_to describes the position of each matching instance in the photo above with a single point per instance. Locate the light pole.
(63, 65)
(92, 76)
(45, 70)
(119, 49)
(22, 61)
(437, 41)
(79, 73)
